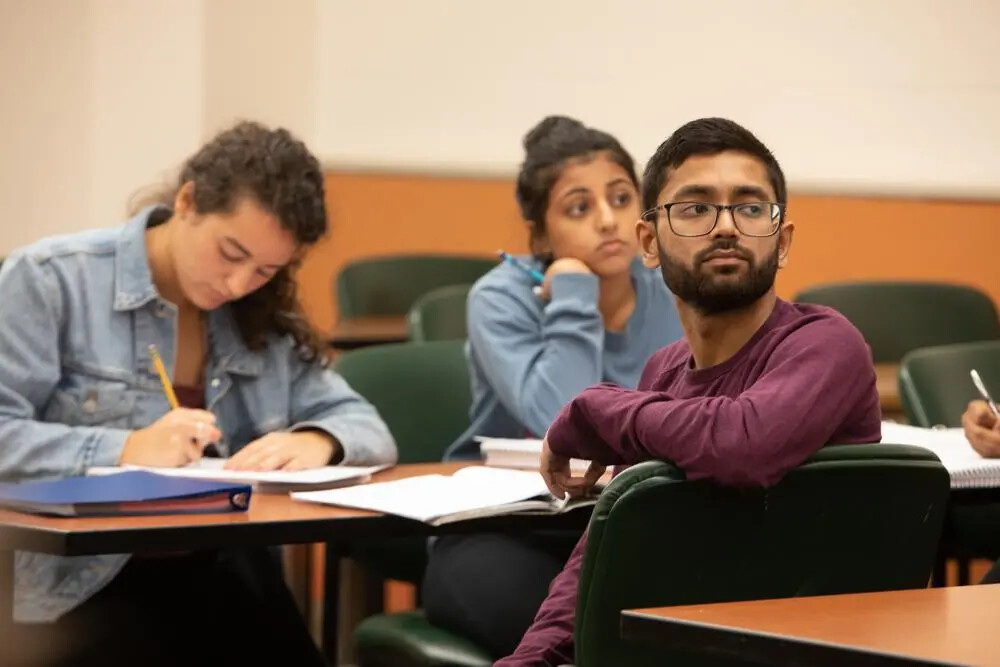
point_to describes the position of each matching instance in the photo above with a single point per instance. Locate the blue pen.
(535, 274)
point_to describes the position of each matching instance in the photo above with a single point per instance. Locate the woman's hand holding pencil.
(175, 439)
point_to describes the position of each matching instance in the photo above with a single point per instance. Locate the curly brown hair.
(278, 172)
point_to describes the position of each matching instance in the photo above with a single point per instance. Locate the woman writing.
(206, 277)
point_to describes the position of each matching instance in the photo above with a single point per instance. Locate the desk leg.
(962, 565)
(939, 575)
(7, 614)
(331, 603)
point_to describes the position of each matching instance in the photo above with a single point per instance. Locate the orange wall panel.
(854, 238)
(836, 238)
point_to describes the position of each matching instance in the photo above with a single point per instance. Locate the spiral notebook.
(967, 468)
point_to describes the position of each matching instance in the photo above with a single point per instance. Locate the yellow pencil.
(168, 388)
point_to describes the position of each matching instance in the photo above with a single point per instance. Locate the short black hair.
(707, 136)
(548, 148)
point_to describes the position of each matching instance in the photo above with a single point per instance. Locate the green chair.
(439, 315)
(934, 382)
(853, 518)
(422, 392)
(390, 285)
(407, 639)
(897, 317)
(934, 388)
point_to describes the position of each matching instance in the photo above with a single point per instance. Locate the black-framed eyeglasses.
(698, 218)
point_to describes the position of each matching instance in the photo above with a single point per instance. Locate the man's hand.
(982, 429)
(556, 473)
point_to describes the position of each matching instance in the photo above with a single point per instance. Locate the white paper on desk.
(271, 481)
(967, 468)
(428, 497)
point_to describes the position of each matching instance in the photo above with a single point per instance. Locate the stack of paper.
(523, 454)
(273, 481)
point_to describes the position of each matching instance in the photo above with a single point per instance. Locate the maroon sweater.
(803, 380)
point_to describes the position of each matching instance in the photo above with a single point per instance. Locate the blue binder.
(126, 493)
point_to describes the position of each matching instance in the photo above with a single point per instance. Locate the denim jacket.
(77, 315)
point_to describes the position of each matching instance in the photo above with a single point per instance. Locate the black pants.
(975, 525)
(212, 609)
(488, 587)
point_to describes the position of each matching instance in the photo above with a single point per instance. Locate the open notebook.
(967, 468)
(275, 481)
(521, 454)
(468, 493)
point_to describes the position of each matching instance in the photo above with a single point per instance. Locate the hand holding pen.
(981, 421)
(981, 388)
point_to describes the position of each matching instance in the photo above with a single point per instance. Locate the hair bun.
(551, 128)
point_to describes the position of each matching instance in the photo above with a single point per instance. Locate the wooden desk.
(361, 331)
(272, 519)
(886, 381)
(936, 626)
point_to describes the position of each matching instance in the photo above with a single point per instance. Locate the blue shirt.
(77, 316)
(528, 358)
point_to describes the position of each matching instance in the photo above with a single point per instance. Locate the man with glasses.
(756, 385)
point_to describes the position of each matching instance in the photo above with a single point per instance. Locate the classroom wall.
(836, 238)
(100, 97)
(260, 62)
(44, 64)
(104, 99)
(854, 96)
(418, 110)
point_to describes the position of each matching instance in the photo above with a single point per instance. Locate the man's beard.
(705, 292)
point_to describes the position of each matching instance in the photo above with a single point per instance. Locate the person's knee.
(488, 577)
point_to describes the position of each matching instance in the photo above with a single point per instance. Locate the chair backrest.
(897, 317)
(390, 285)
(935, 385)
(421, 390)
(439, 315)
(854, 518)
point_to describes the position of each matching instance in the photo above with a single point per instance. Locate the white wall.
(45, 177)
(103, 97)
(260, 63)
(146, 97)
(893, 96)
